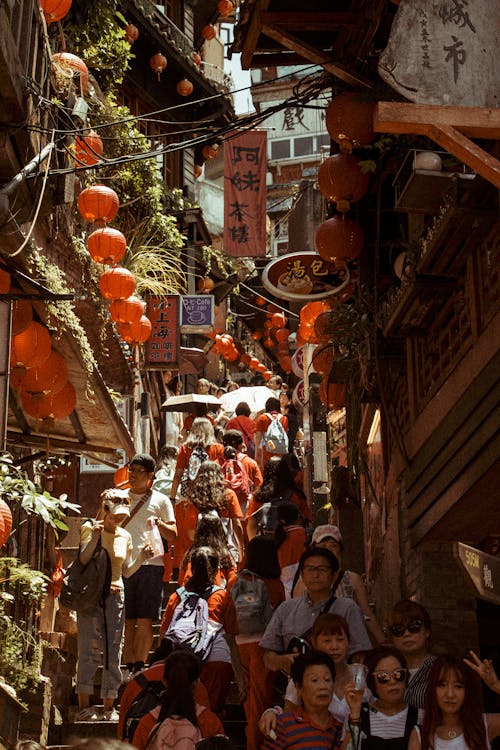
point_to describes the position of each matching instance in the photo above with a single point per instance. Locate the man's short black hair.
(320, 552)
(311, 659)
(145, 460)
(242, 409)
(233, 438)
(272, 404)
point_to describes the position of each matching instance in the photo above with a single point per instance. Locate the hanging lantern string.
(272, 302)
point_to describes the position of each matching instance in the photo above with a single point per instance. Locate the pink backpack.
(173, 734)
(236, 478)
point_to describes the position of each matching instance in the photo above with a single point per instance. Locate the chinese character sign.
(444, 52)
(245, 166)
(162, 348)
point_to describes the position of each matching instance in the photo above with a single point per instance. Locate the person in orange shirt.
(290, 538)
(210, 532)
(181, 672)
(245, 424)
(235, 439)
(224, 657)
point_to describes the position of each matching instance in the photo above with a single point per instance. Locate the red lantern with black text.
(341, 180)
(117, 283)
(98, 203)
(107, 245)
(88, 150)
(55, 10)
(339, 238)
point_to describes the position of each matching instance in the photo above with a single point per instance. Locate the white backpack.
(275, 438)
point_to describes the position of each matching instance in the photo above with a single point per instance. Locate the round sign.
(299, 395)
(304, 277)
(298, 362)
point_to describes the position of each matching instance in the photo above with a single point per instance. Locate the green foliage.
(20, 651)
(94, 30)
(17, 487)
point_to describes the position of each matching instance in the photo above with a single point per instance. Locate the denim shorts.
(143, 593)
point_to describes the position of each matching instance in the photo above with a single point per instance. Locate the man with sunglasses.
(409, 627)
(144, 589)
(296, 617)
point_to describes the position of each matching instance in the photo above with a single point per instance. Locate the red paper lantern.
(4, 281)
(306, 333)
(61, 405)
(245, 359)
(261, 367)
(55, 10)
(127, 310)
(282, 335)
(322, 359)
(158, 63)
(267, 374)
(31, 347)
(51, 376)
(254, 362)
(107, 245)
(339, 238)
(268, 343)
(341, 181)
(260, 301)
(5, 522)
(197, 170)
(209, 32)
(117, 283)
(120, 478)
(67, 65)
(310, 312)
(98, 203)
(131, 33)
(257, 335)
(88, 150)
(225, 7)
(286, 364)
(279, 320)
(136, 333)
(205, 285)
(210, 151)
(349, 119)
(22, 315)
(196, 58)
(184, 87)
(332, 395)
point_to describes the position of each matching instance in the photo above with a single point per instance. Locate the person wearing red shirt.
(235, 438)
(245, 424)
(290, 538)
(261, 424)
(210, 532)
(224, 657)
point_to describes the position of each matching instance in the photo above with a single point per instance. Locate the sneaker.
(111, 715)
(87, 714)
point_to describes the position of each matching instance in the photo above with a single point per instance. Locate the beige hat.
(116, 502)
(325, 531)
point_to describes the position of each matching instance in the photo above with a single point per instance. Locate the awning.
(192, 360)
(95, 427)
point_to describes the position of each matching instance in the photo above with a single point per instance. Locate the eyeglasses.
(398, 675)
(316, 569)
(137, 471)
(413, 626)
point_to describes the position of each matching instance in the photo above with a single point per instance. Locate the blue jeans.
(92, 646)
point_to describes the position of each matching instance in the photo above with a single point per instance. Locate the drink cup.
(357, 674)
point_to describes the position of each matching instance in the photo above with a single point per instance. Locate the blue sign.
(197, 310)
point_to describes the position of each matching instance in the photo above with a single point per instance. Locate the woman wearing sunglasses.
(453, 717)
(409, 627)
(386, 724)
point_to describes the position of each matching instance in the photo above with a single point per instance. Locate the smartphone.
(298, 645)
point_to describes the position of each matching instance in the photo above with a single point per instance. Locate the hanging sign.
(483, 570)
(162, 348)
(444, 52)
(245, 167)
(304, 277)
(197, 313)
(299, 395)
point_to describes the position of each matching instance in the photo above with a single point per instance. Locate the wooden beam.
(271, 59)
(40, 440)
(446, 126)
(314, 56)
(253, 33)
(307, 21)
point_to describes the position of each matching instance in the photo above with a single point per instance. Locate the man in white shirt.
(144, 589)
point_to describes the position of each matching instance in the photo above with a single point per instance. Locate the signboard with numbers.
(197, 313)
(304, 277)
(245, 166)
(483, 569)
(444, 52)
(162, 348)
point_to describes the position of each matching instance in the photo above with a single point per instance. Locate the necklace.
(451, 734)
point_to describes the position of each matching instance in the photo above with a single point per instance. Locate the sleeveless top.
(371, 741)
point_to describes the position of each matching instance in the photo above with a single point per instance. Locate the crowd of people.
(261, 601)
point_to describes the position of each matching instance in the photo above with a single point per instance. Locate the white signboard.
(445, 52)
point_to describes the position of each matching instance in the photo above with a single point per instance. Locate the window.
(323, 140)
(280, 149)
(303, 146)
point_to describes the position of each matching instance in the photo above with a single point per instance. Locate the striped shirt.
(297, 731)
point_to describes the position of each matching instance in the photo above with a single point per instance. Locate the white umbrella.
(254, 395)
(187, 402)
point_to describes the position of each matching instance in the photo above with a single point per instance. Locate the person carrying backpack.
(256, 593)
(271, 433)
(210, 532)
(200, 442)
(290, 538)
(236, 476)
(178, 722)
(221, 655)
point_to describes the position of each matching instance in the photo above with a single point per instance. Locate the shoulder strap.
(243, 429)
(142, 681)
(365, 719)
(337, 582)
(411, 720)
(137, 508)
(328, 604)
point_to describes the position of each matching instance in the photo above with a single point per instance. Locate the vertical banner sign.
(245, 166)
(162, 348)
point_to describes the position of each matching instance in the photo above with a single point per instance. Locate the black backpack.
(143, 703)
(87, 586)
(268, 513)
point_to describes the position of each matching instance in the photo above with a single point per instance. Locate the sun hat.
(323, 532)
